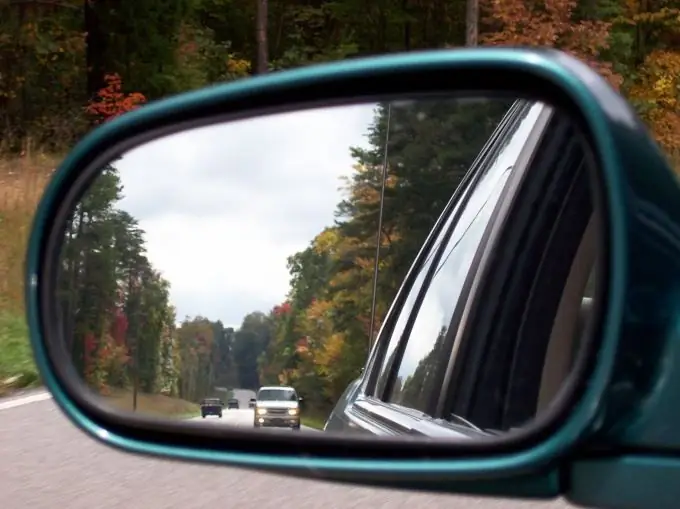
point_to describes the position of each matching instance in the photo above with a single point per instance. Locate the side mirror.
(527, 351)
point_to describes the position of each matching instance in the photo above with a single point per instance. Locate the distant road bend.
(45, 462)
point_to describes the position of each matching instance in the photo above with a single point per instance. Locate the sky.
(223, 206)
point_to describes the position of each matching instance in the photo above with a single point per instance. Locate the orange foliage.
(112, 101)
(302, 346)
(658, 89)
(549, 23)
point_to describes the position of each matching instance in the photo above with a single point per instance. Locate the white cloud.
(224, 206)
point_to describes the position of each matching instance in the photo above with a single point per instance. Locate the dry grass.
(156, 405)
(22, 181)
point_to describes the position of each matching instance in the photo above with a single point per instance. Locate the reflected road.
(241, 417)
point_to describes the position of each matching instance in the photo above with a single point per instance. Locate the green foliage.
(17, 368)
(53, 57)
(116, 311)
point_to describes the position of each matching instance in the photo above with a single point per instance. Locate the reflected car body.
(252, 402)
(211, 406)
(338, 419)
(277, 407)
(421, 377)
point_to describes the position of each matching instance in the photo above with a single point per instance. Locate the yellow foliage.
(367, 193)
(658, 88)
(326, 241)
(365, 263)
(330, 352)
(238, 66)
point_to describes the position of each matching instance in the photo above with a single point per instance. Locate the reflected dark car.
(211, 406)
(232, 403)
(442, 367)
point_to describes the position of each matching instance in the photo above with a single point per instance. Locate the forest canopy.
(67, 66)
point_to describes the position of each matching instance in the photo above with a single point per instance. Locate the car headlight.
(293, 411)
(261, 411)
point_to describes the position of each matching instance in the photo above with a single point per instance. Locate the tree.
(261, 37)
(552, 23)
(471, 22)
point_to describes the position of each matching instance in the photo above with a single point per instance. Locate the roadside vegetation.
(66, 68)
(22, 179)
(155, 405)
(316, 422)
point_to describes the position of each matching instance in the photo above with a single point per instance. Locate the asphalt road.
(45, 462)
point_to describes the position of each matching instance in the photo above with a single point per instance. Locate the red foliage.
(283, 309)
(111, 101)
(119, 327)
(90, 343)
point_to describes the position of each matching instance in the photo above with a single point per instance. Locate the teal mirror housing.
(614, 404)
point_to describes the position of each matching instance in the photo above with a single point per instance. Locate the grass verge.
(22, 181)
(313, 421)
(156, 405)
(17, 369)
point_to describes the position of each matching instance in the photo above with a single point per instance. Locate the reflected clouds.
(223, 206)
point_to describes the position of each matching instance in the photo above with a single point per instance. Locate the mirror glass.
(423, 267)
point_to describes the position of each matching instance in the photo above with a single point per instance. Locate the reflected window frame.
(557, 255)
(377, 384)
(379, 364)
(430, 402)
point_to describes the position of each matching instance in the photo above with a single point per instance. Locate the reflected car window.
(407, 308)
(421, 364)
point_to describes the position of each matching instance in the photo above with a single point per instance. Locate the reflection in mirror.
(227, 274)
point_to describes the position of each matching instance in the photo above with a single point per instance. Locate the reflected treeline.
(118, 323)
(120, 326)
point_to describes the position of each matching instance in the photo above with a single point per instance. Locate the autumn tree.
(654, 27)
(118, 321)
(111, 101)
(550, 23)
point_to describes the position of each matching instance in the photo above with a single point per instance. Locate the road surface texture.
(46, 463)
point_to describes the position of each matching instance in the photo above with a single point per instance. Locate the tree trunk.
(95, 48)
(261, 38)
(471, 22)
